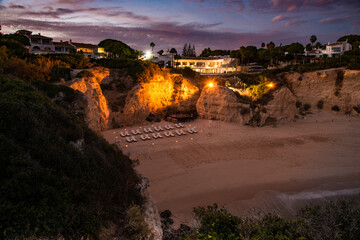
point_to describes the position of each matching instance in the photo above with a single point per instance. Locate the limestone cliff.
(155, 96)
(96, 110)
(323, 90)
(221, 103)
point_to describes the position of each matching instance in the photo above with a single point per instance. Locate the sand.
(276, 169)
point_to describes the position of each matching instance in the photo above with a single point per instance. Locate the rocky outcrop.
(323, 90)
(157, 95)
(281, 107)
(96, 109)
(221, 103)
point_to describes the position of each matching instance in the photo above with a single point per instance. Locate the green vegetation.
(335, 220)
(57, 176)
(118, 49)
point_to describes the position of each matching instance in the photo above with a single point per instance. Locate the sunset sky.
(218, 24)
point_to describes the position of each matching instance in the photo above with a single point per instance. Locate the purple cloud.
(279, 18)
(228, 3)
(332, 20)
(294, 23)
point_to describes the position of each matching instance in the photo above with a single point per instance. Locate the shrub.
(307, 106)
(84, 74)
(320, 104)
(335, 108)
(135, 226)
(298, 104)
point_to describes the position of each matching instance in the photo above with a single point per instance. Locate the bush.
(335, 108)
(307, 106)
(49, 187)
(84, 74)
(320, 104)
(298, 104)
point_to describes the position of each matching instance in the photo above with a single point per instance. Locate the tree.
(350, 38)
(308, 47)
(270, 46)
(117, 49)
(262, 45)
(160, 52)
(185, 50)
(318, 45)
(295, 49)
(206, 52)
(173, 52)
(313, 39)
(152, 45)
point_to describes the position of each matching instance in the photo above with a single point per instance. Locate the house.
(64, 47)
(89, 50)
(207, 65)
(38, 44)
(331, 50)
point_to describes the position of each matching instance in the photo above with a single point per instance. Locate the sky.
(218, 24)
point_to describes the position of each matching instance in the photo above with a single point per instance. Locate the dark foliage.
(307, 107)
(84, 74)
(335, 108)
(48, 186)
(320, 104)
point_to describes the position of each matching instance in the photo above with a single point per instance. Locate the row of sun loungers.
(145, 137)
(149, 130)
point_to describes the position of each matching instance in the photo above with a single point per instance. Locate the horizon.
(225, 24)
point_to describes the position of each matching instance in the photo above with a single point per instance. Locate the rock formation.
(157, 95)
(96, 111)
(221, 103)
(332, 87)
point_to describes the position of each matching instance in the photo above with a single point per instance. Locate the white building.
(205, 66)
(331, 50)
(38, 43)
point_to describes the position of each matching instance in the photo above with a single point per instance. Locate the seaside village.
(215, 65)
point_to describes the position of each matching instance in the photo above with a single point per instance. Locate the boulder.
(221, 103)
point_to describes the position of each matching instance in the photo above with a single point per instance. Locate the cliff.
(323, 90)
(332, 90)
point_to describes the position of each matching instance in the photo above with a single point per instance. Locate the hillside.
(57, 177)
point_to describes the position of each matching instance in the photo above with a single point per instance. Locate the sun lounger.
(129, 139)
(145, 130)
(122, 134)
(133, 138)
(133, 132)
(159, 135)
(154, 135)
(166, 134)
(178, 132)
(190, 131)
(147, 136)
(142, 137)
(182, 132)
(166, 127)
(138, 131)
(171, 134)
(177, 125)
(150, 130)
(181, 125)
(156, 129)
(160, 128)
(171, 127)
(127, 133)
(194, 131)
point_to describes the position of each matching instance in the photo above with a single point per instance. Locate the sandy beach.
(272, 168)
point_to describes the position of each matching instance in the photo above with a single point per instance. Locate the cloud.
(332, 20)
(15, 6)
(279, 18)
(294, 23)
(238, 4)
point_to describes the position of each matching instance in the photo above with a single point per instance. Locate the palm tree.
(313, 39)
(173, 51)
(262, 45)
(152, 45)
(318, 45)
(160, 52)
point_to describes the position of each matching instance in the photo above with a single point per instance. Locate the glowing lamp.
(147, 54)
(270, 85)
(211, 84)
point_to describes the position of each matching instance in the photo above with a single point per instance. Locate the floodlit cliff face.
(334, 87)
(96, 110)
(154, 96)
